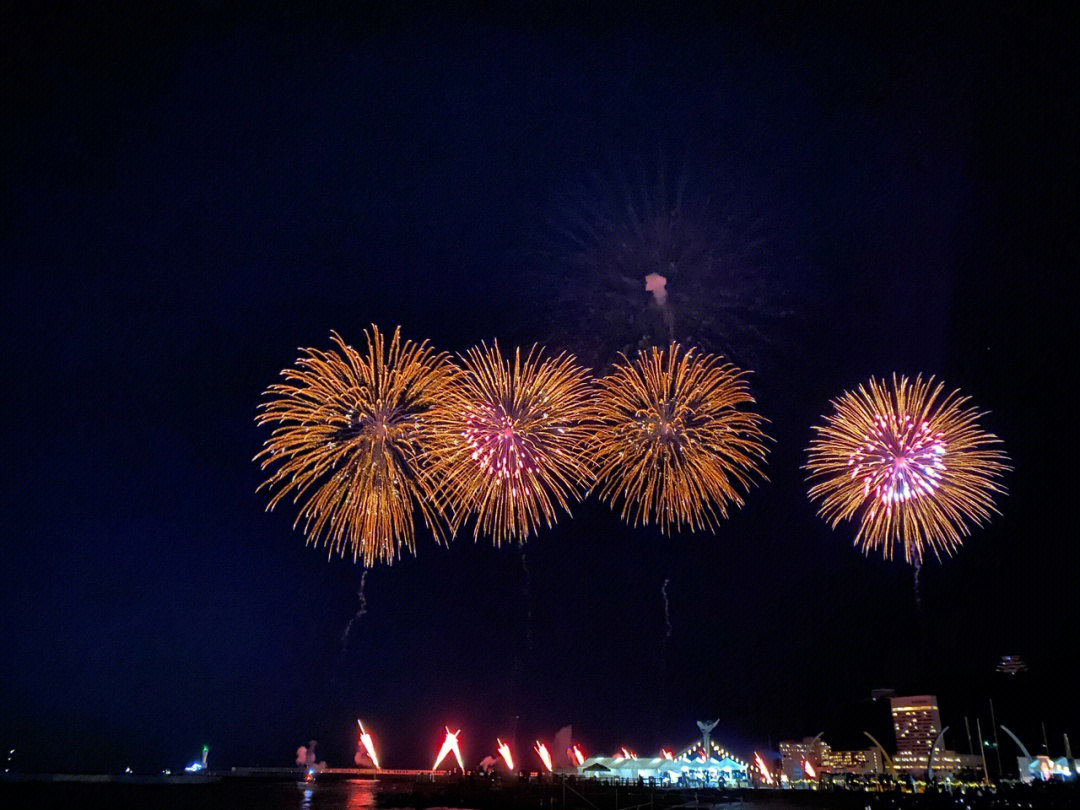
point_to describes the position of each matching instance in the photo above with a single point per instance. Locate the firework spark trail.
(350, 440)
(662, 702)
(912, 467)
(667, 611)
(359, 613)
(675, 442)
(918, 595)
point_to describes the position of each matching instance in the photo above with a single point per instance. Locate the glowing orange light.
(628, 754)
(576, 756)
(449, 744)
(544, 754)
(369, 746)
(504, 752)
(809, 769)
(761, 767)
(667, 754)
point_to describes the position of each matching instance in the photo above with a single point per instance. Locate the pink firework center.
(898, 460)
(502, 446)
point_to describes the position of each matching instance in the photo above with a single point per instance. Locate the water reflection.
(353, 794)
(361, 794)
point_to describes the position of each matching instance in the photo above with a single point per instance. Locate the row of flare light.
(574, 753)
(450, 744)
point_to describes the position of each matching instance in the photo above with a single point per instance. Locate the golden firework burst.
(508, 439)
(351, 440)
(674, 441)
(910, 465)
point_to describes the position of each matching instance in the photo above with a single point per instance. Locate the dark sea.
(354, 793)
(233, 795)
(240, 795)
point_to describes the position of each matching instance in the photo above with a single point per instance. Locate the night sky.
(189, 199)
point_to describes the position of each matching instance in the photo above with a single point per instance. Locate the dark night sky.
(187, 200)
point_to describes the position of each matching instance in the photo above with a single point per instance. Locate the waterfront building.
(794, 753)
(917, 723)
(685, 770)
(861, 762)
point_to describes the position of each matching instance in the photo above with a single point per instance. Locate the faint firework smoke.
(305, 757)
(656, 251)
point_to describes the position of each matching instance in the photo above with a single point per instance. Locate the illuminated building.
(917, 723)
(794, 753)
(1011, 665)
(685, 770)
(825, 760)
(861, 762)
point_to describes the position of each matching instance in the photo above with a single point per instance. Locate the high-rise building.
(917, 723)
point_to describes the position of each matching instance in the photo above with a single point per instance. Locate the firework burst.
(507, 441)
(350, 442)
(654, 249)
(672, 441)
(910, 465)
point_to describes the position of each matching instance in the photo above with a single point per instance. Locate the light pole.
(997, 745)
(982, 750)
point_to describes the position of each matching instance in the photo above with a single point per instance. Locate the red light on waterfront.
(545, 755)
(369, 745)
(761, 767)
(449, 744)
(504, 752)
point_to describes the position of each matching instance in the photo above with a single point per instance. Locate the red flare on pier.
(369, 745)
(504, 752)
(449, 744)
(761, 767)
(545, 755)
